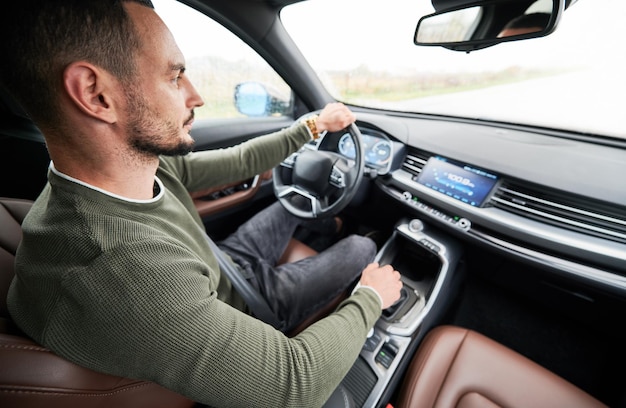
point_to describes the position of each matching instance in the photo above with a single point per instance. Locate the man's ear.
(92, 90)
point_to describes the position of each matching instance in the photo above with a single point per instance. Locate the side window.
(232, 78)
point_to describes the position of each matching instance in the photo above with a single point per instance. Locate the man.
(114, 272)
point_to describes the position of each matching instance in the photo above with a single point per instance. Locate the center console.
(429, 262)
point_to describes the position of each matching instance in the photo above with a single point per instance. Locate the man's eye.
(179, 75)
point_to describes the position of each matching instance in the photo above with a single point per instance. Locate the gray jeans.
(295, 290)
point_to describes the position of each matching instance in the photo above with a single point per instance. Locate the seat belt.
(255, 301)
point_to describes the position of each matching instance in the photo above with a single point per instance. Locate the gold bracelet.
(311, 123)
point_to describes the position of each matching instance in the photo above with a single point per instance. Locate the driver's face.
(160, 106)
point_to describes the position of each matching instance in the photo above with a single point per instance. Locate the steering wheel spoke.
(301, 200)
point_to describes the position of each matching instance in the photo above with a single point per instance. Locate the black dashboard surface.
(541, 157)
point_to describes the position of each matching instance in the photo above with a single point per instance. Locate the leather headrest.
(12, 213)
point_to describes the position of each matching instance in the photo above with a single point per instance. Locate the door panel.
(219, 133)
(225, 207)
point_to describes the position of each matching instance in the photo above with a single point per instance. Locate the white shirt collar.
(157, 197)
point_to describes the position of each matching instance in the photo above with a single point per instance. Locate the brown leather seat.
(31, 375)
(457, 367)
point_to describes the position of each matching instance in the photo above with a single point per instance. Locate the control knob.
(464, 223)
(416, 225)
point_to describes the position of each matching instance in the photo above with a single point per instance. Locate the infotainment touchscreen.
(459, 181)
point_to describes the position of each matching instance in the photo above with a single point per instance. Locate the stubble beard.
(149, 135)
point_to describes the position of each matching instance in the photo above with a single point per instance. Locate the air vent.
(415, 161)
(564, 210)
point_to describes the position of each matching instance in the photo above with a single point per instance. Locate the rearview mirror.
(482, 24)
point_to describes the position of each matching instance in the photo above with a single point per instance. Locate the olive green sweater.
(131, 288)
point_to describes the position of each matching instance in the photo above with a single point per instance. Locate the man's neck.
(157, 187)
(117, 174)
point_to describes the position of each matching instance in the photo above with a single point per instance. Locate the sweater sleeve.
(205, 169)
(163, 323)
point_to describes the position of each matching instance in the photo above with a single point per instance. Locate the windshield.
(573, 79)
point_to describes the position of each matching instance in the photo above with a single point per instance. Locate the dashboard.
(523, 192)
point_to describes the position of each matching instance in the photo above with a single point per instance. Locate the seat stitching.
(79, 394)
(24, 347)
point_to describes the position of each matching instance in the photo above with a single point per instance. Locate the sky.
(330, 43)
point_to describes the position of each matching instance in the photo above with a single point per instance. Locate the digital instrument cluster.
(377, 149)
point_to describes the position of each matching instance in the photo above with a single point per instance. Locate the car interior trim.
(605, 252)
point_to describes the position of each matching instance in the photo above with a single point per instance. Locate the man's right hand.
(384, 280)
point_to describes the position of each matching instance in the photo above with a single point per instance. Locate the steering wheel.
(313, 183)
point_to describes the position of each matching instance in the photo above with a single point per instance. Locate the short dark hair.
(40, 38)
